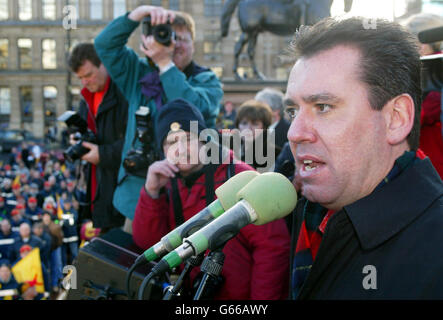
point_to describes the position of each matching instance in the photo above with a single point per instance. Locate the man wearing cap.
(17, 218)
(16, 189)
(36, 179)
(70, 188)
(21, 206)
(24, 250)
(256, 264)
(25, 237)
(33, 211)
(46, 192)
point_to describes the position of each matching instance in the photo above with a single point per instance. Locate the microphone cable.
(161, 267)
(138, 262)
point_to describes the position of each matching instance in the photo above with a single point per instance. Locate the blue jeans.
(56, 267)
(73, 248)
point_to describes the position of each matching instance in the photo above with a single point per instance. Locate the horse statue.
(280, 17)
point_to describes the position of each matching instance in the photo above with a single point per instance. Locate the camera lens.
(163, 34)
(75, 152)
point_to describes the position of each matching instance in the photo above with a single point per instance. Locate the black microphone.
(431, 35)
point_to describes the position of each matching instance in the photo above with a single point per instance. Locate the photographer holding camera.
(168, 73)
(100, 127)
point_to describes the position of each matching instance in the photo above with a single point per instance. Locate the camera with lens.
(163, 33)
(77, 125)
(140, 157)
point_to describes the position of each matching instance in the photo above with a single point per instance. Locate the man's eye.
(324, 107)
(292, 112)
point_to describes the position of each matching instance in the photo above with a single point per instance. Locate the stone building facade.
(35, 35)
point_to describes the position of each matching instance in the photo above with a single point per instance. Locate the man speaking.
(370, 226)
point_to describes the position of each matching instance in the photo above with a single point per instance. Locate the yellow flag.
(29, 270)
(16, 180)
(59, 208)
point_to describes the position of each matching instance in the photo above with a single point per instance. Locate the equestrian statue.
(280, 17)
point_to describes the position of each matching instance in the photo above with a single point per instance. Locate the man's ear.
(399, 114)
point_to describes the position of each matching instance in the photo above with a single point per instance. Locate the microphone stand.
(211, 267)
(191, 263)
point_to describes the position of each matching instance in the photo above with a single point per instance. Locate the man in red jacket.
(256, 260)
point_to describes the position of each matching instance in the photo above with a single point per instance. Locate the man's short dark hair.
(390, 63)
(81, 53)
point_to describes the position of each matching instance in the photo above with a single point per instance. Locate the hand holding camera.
(158, 37)
(81, 138)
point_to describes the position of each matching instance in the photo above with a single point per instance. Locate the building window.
(24, 10)
(218, 71)
(213, 8)
(49, 55)
(4, 53)
(50, 104)
(96, 9)
(119, 8)
(4, 10)
(49, 9)
(5, 101)
(25, 53)
(174, 5)
(26, 103)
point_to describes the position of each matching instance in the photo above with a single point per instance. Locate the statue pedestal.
(238, 91)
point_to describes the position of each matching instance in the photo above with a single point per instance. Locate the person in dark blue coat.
(25, 237)
(7, 237)
(33, 211)
(8, 282)
(17, 218)
(45, 193)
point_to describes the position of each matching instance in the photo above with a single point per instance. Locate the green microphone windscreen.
(271, 195)
(227, 192)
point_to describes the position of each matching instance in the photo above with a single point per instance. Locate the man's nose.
(302, 128)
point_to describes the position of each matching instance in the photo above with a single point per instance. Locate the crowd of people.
(39, 208)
